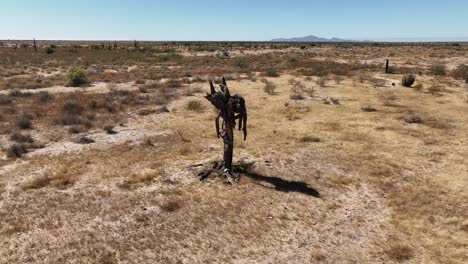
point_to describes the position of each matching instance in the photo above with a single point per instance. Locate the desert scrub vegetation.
(376, 82)
(322, 81)
(23, 121)
(418, 87)
(5, 100)
(338, 79)
(44, 97)
(17, 150)
(461, 72)
(413, 119)
(388, 98)
(194, 105)
(76, 77)
(400, 253)
(408, 80)
(438, 69)
(368, 108)
(435, 89)
(35, 182)
(49, 50)
(270, 87)
(21, 138)
(270, 72)
(299, 89)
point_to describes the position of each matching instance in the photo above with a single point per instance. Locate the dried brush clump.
(270, 87)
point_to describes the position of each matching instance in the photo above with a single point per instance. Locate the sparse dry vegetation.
(360, 171)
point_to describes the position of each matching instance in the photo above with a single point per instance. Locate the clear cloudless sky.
(233, 20)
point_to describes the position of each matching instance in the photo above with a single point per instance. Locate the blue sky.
(233, 20)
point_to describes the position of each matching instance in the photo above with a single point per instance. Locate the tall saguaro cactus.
(387, 69)
(231, 108)
(34, 45)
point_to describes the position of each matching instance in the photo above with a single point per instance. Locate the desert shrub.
(174, 83)
(5, 100)
(297, 96)
(400, 253)
(309, 139)
(297, 90)
(368, 108)
(322, 81)
(109, 129)
(310, 91)
(438, 69)
(252, 76)
(338, 79)
(35, 182)
(461, 72)
(418, 87)
(21, 138)
(223, 54)
(143, 89)
(72, 115)
(171, 206)
(171, 56)
(408, 80)
(388, 98)
(23, 121)
(324, 68)
(72, 109)
(43, 97)
(435, 89)
(196, 89)
(194, 105)
(270, 72)
(49, 50)
(413, 119)
(241, 63)
(16, 150)
(331, 101)
(76, 76)
(18, 93)
(140, 81)
(75, 129)
(377, 82)
(269, 88)
(84, 140)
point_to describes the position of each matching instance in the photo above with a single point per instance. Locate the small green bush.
(408, 80)
(438, 69)
(270, 72)
(194, 105)
(461, 72)
(241, 63)
(76, 76)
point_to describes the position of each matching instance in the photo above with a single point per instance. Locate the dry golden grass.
(390, 191)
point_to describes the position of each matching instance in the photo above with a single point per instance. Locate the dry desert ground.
(342, 163)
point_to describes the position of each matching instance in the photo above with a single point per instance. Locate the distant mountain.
(310, 38)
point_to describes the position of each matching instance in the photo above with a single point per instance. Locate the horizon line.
(396, 40)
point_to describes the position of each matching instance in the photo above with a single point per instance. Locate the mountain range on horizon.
(311, 38)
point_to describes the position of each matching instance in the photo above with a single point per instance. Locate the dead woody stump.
(230, 108)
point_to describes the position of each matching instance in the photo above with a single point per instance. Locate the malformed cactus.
(408, 80)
